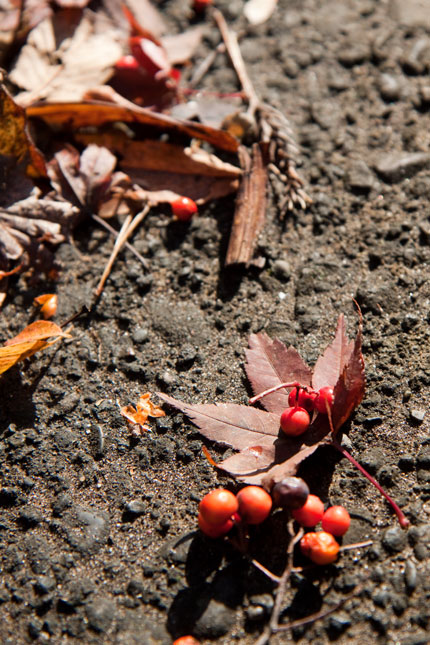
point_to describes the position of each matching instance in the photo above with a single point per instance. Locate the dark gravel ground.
(92, 520)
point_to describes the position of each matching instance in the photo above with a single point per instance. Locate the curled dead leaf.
(138, 416)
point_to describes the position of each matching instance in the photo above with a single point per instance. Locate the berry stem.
(271, 390)
(403, 521)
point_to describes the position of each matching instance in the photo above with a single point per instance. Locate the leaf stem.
(271, 390)
(403, 521)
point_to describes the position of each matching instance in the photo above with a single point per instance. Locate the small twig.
(233, 50)
(116, 249)
(273, 625)
(356, 545)
(403, 521)
(127, 229)
(115, 233)
(266, 572)
(205, 65)
(320, 614)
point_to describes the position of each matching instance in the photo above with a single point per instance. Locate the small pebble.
(394, 539)
(417, 415)
(389, 87)
(282, 270)
(410, 575)
(397, 166)
(135, 507)
(359, 176)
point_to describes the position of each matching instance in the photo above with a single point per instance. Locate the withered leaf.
(62, 65)
(266, 454)
(15, 142)
(32, 339)
(100, 112)
(82, 178)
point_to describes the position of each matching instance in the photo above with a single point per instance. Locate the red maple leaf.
(267, 455)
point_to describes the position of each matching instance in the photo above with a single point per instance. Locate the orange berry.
(310, 513)
(255, 504)
(218, 506)
(336, 520)
(186, 640)
(319, 547)
(214, 530)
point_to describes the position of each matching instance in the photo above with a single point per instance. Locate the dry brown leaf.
(63, 70)
(138, 416)
(82, 179)
(258, 11)
(97, 113)
(16, 145)
(32, 339)
(151, 154)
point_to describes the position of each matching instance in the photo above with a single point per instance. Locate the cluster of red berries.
(220, 509)
(321, 547)
(295, 420)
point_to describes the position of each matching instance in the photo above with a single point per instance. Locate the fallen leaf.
(97, 113)
(258, 11)
(61, 65)
(15, 143)
(138, 416)
(266, 454)
(151, 154)
(82, 179)
(32, 339)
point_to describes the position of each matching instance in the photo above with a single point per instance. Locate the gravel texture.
(97, 528)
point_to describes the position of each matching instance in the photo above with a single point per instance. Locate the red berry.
(320, 547)
(291, 493)
(126, 63)
(255, 504)
(325, 395)
(214, 530)
(218, 506)
(183, 208)
(304, 399)
(310, 513)
(201, 5)
(336, 520)
(295, 421)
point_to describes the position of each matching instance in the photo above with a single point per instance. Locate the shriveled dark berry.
(290, 493)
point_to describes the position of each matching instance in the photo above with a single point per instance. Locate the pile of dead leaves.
(96, 121)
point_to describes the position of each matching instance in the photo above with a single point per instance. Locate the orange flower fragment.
(48, 303)
(32, 339)
(138, 416)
